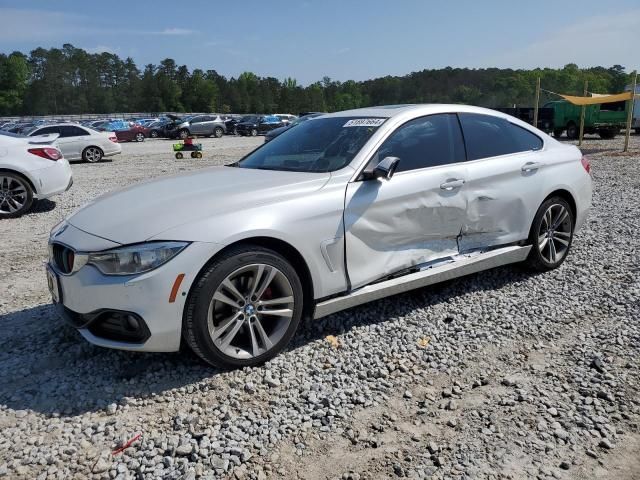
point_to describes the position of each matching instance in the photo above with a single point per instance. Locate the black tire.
(195, 325)
(607, 134)
(16, 195)
(537, 259)
(184, 133)
(218, 132)
(139, 137)
(179, 156)
(254, 132)
(154, 134)
(573, 132)
(92, 154)
(557, 133)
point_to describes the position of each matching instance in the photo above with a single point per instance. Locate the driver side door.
(416, 216)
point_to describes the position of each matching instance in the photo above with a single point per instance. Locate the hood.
(142, 211)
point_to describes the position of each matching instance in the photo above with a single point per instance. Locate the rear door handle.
(531, 166)
(452, 184)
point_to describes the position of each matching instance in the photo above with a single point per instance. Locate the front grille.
(63, 258)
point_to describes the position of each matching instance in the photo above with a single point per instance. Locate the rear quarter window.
(488, 136)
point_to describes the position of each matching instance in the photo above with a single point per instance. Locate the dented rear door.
(500, 196)
(504, 177)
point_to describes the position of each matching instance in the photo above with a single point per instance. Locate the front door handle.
(452, 184)
(531, 166)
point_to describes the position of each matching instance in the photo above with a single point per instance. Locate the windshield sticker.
(365, 122)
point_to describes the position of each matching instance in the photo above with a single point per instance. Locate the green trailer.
(605, 119)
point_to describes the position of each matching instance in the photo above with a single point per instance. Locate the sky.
(341, 39)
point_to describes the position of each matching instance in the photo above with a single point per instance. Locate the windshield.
(320, 145)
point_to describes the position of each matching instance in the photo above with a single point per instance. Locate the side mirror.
(385, 169)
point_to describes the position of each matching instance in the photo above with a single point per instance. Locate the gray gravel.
(503, 374)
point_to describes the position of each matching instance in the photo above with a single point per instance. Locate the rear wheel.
(254, 132)
(218, 132)
(573, 131)
(244, 309)
(183, 134)
(154, 134)
(139, 137)
(607, 134)
(92, 154)
(557, 133)
(551, 234)
(16, 195)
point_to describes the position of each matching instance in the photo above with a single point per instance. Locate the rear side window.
(72, 131)
(487, 136)
(524, 139)
(45, 131)
(424, 142)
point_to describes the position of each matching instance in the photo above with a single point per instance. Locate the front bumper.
(89, 298)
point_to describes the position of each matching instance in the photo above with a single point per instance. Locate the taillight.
(49, 153)
(114, 139)
(586, 164)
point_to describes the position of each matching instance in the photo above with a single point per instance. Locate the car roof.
(389, 111)
(60, 125)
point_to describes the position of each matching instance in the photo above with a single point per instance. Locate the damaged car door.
(504, 172)
(416, 216)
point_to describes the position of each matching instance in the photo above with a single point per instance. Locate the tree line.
(70, 80)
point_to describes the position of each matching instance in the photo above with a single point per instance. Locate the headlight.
(135, 258)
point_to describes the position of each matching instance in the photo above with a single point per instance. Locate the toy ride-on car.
(188, 146)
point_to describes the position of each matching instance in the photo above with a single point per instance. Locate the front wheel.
(139, 137)
(244, 309)
(551, 235)
(254, 132)
(16, 195)
(183, 134)
(154, 134)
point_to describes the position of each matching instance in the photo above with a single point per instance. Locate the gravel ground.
(498, 375)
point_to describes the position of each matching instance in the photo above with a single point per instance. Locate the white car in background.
(31, 168)
(81, 143)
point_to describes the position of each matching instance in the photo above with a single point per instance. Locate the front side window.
(487, 136)
(320, 145)
(424, 142)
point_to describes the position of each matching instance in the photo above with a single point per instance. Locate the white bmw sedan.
(31, 168)
(341, 210)
(81, 143)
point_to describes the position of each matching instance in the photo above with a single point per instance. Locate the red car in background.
(135, 133)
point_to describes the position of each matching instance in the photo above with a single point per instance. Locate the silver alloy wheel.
(92, 154)
(555, 232)
(250, 311)
(139, 137)
(13, 194)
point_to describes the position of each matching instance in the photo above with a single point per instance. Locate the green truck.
(605, 119)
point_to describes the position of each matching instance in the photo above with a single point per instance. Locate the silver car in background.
(78, 142)
(342, 209)
(205, 125)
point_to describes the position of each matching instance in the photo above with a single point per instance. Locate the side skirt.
(460, 266)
